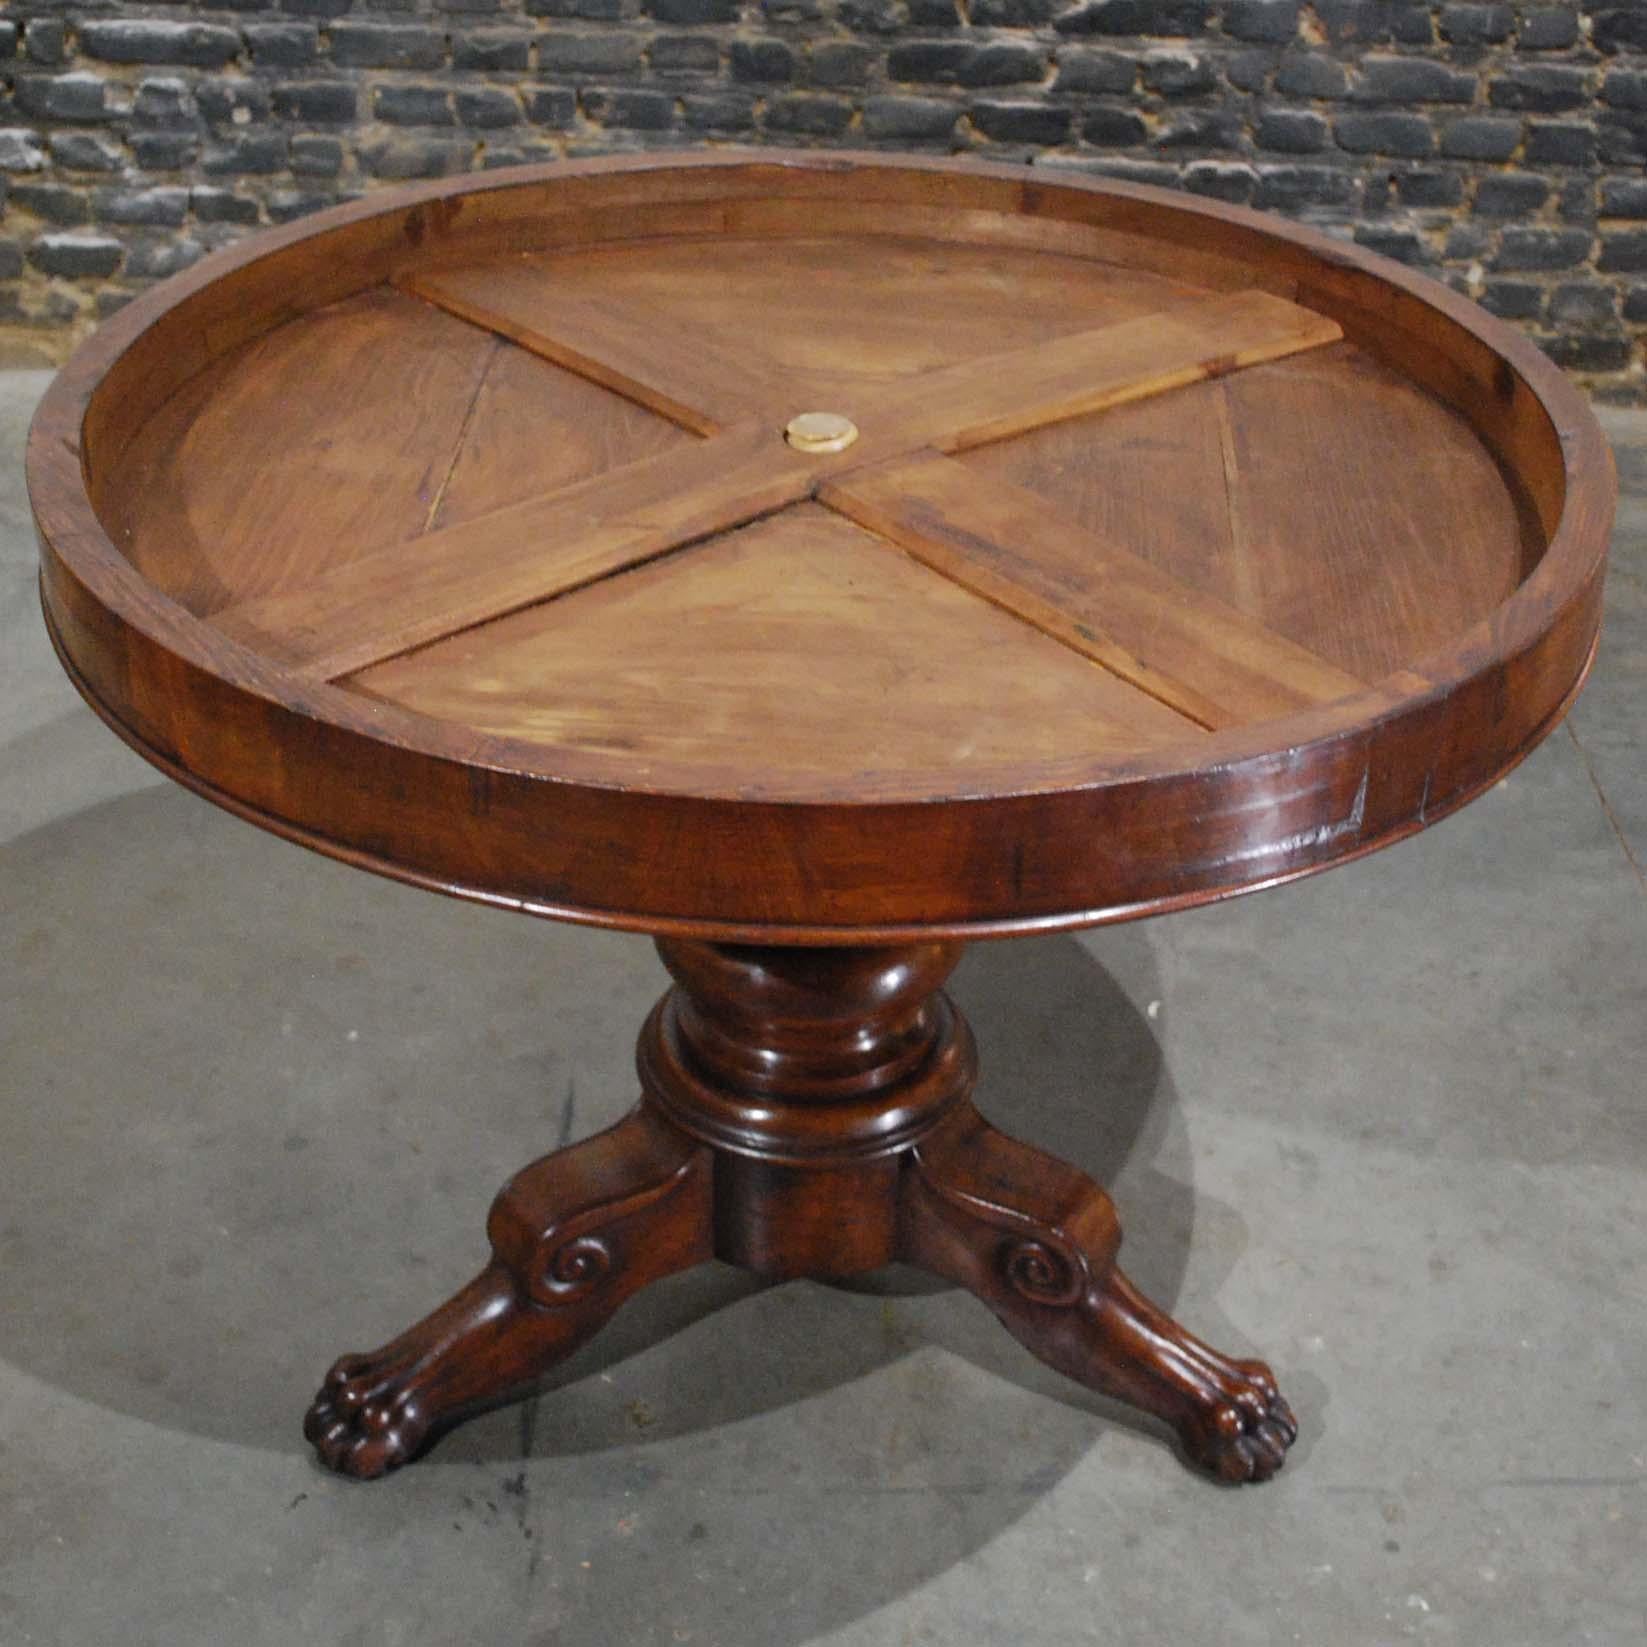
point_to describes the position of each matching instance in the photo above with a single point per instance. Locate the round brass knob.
(820, 432)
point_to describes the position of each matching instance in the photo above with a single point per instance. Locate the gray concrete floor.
(1386, 1127)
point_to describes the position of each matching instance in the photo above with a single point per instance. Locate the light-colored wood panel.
(977, 401)
(801, 641)
(1416, 341)
(695, 384)
(1197, 654)
(248, 479)
(536, 428)
(588, 833)
(827, 313)
(984, 226)
(1149, 476)
(764, 219)
(224, 311)
(1374, 521)
(374, 607)
(418, 591)
(1338, 504)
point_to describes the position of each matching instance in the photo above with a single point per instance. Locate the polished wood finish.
(1180, 552)
(1036, 1240)
(803, 1112)
(1252, 492)
(573, 1236)
(387, 603)
(374, 607)
(996, 397)
(1416, 514)
(228, 530)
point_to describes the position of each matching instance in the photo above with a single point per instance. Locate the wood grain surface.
(852, 644)
(1310, 493)
(371, 607)
(705, 389)
(1205, 658)
(455, 533)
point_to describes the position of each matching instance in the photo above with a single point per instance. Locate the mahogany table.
(816, 561)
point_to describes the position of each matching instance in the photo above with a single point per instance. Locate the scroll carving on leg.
(573, 1236)
(1036, 1240)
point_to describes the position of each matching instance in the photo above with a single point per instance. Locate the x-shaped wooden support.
(1213, 664)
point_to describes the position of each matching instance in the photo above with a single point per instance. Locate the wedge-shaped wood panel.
(1370, 574)
(1323, 495)
(800, 647)
(1361, 520)
(1208, 661)
(535, 428)
(384, 604)
(693, 383)
(834, 313)
(248, 479)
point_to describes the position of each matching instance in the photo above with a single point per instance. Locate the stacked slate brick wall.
(1502, 146)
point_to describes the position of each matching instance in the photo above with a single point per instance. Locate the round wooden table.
(817, 561)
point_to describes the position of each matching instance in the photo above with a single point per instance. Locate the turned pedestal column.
(803, 1112)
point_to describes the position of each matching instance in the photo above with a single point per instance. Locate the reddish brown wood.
(1484, 627)
(382, 604)
(1126, 599)
(372, 607)
(804, 1112)
(705, 390)
(1036, 1240)
(808, 1071)
(573, 1236)
(997, 396)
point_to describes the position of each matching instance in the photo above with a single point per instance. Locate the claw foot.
(1243, 1435)
(1036, 1240)
(376, 1412)
(366, 1421)
(573, 1236)
(1229, 1415)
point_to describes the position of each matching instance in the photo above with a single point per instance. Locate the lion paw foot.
(367, 1419)
(1245, 1431)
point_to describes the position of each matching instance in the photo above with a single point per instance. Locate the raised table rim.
(124, 641)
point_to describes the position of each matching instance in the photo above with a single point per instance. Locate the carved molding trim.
(575, 1267)
(1045, 1271)
(567, 1261)
(1038, 1262)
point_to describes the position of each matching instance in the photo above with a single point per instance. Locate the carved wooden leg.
(573, 1236)
(806, 1112)
(1036, 1240)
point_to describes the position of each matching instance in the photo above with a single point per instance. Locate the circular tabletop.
(808, 547)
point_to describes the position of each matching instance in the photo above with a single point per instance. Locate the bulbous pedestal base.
(802, 1112)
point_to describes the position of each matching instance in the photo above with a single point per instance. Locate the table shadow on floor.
(257, 1102)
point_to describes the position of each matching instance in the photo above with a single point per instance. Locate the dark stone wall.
(1500, 146)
